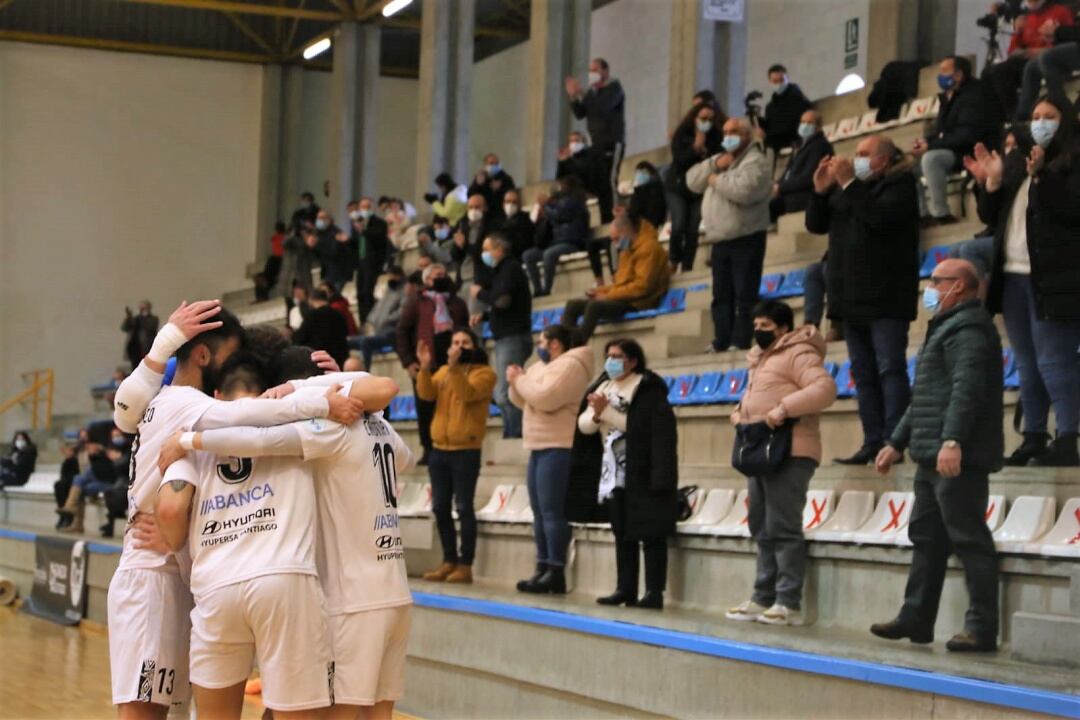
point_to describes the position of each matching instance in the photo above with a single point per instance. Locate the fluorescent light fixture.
(316, 48)
(395, 6)
(850, 83)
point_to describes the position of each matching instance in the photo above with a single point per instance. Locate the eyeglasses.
(936, 280)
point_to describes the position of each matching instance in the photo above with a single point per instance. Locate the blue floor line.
(984, 691)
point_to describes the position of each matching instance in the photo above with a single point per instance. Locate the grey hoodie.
(736, 204)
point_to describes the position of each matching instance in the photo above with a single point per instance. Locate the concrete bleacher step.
(1046, 639)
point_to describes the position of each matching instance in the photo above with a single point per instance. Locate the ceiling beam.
(344, 6)
(250, 32)
(138, 47)
(372, 10)
(481, 30)
(292, 31)
(246, 8)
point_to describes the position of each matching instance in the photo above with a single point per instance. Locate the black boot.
(652, 600)
(898, 630)
(526, 585)
(553, 581)
(1062, 453)
(865, 456)
(1034, 445)
(107, 529)
(618, 598)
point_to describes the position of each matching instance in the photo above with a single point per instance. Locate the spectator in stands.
(784, 110)
(960, 124)
(435, 243)
(648, 201)
(383, 318)
(75, 460)
(1034, 34)
(814, 298)
(140, 330)
(466, 252)
(788, 383)
(493, 183)
(953, 431)
(450, 200)
(303, 218)
(296, 265)
(568, 218)
(639, 284)
(517, 226)
(97, 476)
(300, 308)
(461, 391)
(324, 328)
(639, 478)
(577, 158)
(269, 275)
(369, 238)
(16, 468)
(336, 258)
(870, 211)
(1032, 202)
(698, 136)
(1054, 65)
(397, 219)
(505, 290)
(428, 316)
(550, 393)
(115, 498)
(737, 184)
(602, 107)
(341, 305)
(791, 193)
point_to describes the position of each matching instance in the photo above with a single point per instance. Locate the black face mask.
(443, 285)
(469, 357)
(394, 284)
(764, 338)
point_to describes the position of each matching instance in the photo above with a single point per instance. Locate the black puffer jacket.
(961, 121)
(957, 393)
(873, 232)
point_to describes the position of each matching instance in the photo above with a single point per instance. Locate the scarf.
(443, 321)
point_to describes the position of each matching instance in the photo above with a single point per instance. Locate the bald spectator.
(333, 251)
(467, 248)
(602, 106)
(953, 432)
(493, 182)
(370, 245)
(870, 210)
(737, 184)
(517, 225)
(791, 193)
(784, 110)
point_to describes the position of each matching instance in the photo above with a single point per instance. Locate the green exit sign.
(851, 35)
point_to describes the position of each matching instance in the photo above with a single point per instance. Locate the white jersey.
(185, 408)
(361, 558)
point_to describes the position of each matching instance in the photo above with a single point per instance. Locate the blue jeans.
(935, 166)
(736, 278)
(879, 366)
(512, 350)
(369, 345)
(90, 484)
(453, 476)
(548, 480)
(550, 256)
(1046, 359)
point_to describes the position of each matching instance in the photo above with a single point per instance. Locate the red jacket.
(417, 322)
(1029, 37)
(342, 306)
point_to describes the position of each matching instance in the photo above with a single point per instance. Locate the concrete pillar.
(445, 91)
(354, 112)
(905, 29)
(705, 55)
(292, 99)
(559, 34)
(270, 123)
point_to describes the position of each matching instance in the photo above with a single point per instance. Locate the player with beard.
(149, 600)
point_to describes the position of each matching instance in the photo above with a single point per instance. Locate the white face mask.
(354, 214)
(475, 215)
(594, 78)
(20, 444)
(510, 209)
(576, 147)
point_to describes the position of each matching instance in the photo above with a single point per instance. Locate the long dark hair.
(1064, 148)
(480, 356)
(29, 441)
(687, 123)
(632, 350)
(575, 189)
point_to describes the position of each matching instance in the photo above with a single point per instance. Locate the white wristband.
(166, 343)
(187, 440)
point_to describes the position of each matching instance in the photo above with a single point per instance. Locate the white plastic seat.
(736, 522)
(851, 513)
(1028, 520)
(516, 507)
(995, 511)
(716, 506)
(696, 500)
(415, 500)
(496, 503)
(890, 518)
(818, 508)
(829, 131)
(846, 128)
(1063, 540)
(921, 109)
(868, 123)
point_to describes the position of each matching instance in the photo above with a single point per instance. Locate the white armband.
(168, 340)
(187, 440)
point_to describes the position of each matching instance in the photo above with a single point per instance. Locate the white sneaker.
(780, 615)
(747, 612)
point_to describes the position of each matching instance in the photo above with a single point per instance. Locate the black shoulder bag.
(760, 450)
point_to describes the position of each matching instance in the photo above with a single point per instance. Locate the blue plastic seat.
(680, 392)
(494, 411)
(669, 380)
(674, 301)
(912, 363)
(385, 350)
(486, 334)
(1010, 371)
(770, 286)
(832, 368)
(845, 381)
(708, 388)
(734, 386)
(793, 284)
(933, 256)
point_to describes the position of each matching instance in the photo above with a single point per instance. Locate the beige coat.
(550, 394)
(791, 372)
(736, 202)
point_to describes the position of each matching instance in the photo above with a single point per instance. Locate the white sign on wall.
(724, 10)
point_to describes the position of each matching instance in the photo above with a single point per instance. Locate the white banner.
(724, 10)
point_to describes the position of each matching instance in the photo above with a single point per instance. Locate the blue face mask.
(946, 82)
(321, 224)
(807, 130)
(441, 233)
(732, 143)
(931, 298)
(614, 367)
(641, 178)
(544, 354)
(862, 168)
(487, 258)
(1043, 131)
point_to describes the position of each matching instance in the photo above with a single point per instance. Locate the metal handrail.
(42, 384)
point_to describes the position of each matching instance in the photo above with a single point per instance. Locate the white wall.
(396, 163)
(807, 37)
(970, 38)
(498, 110)
(634, 36)
(123, 176)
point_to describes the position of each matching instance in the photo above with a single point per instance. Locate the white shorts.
(369, 655)
(149, 631)
(279, 619)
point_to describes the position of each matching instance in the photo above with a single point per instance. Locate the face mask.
(544, 354)
(931, 298)
(487, 258)
(779, 87)
(468, 357)
(20, 444)
(594, 78)
(614, 367)
(622, 244)
(321, 224)
(863, 171)
(510, 209)
(306, 204)
(443, 285)
(703, 126)
(576, 147)
(475, 215)
(641, 178)
(394, 284)
(1043, 131)
(493, 170)
(764, 338)
(354, 214)
(946, 82)
(365, 214)
(732, 143)
(442, 232)
(119, 442)
(807, 130)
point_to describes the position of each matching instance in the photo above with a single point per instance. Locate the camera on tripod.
(753, 110)
(1008, 11)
